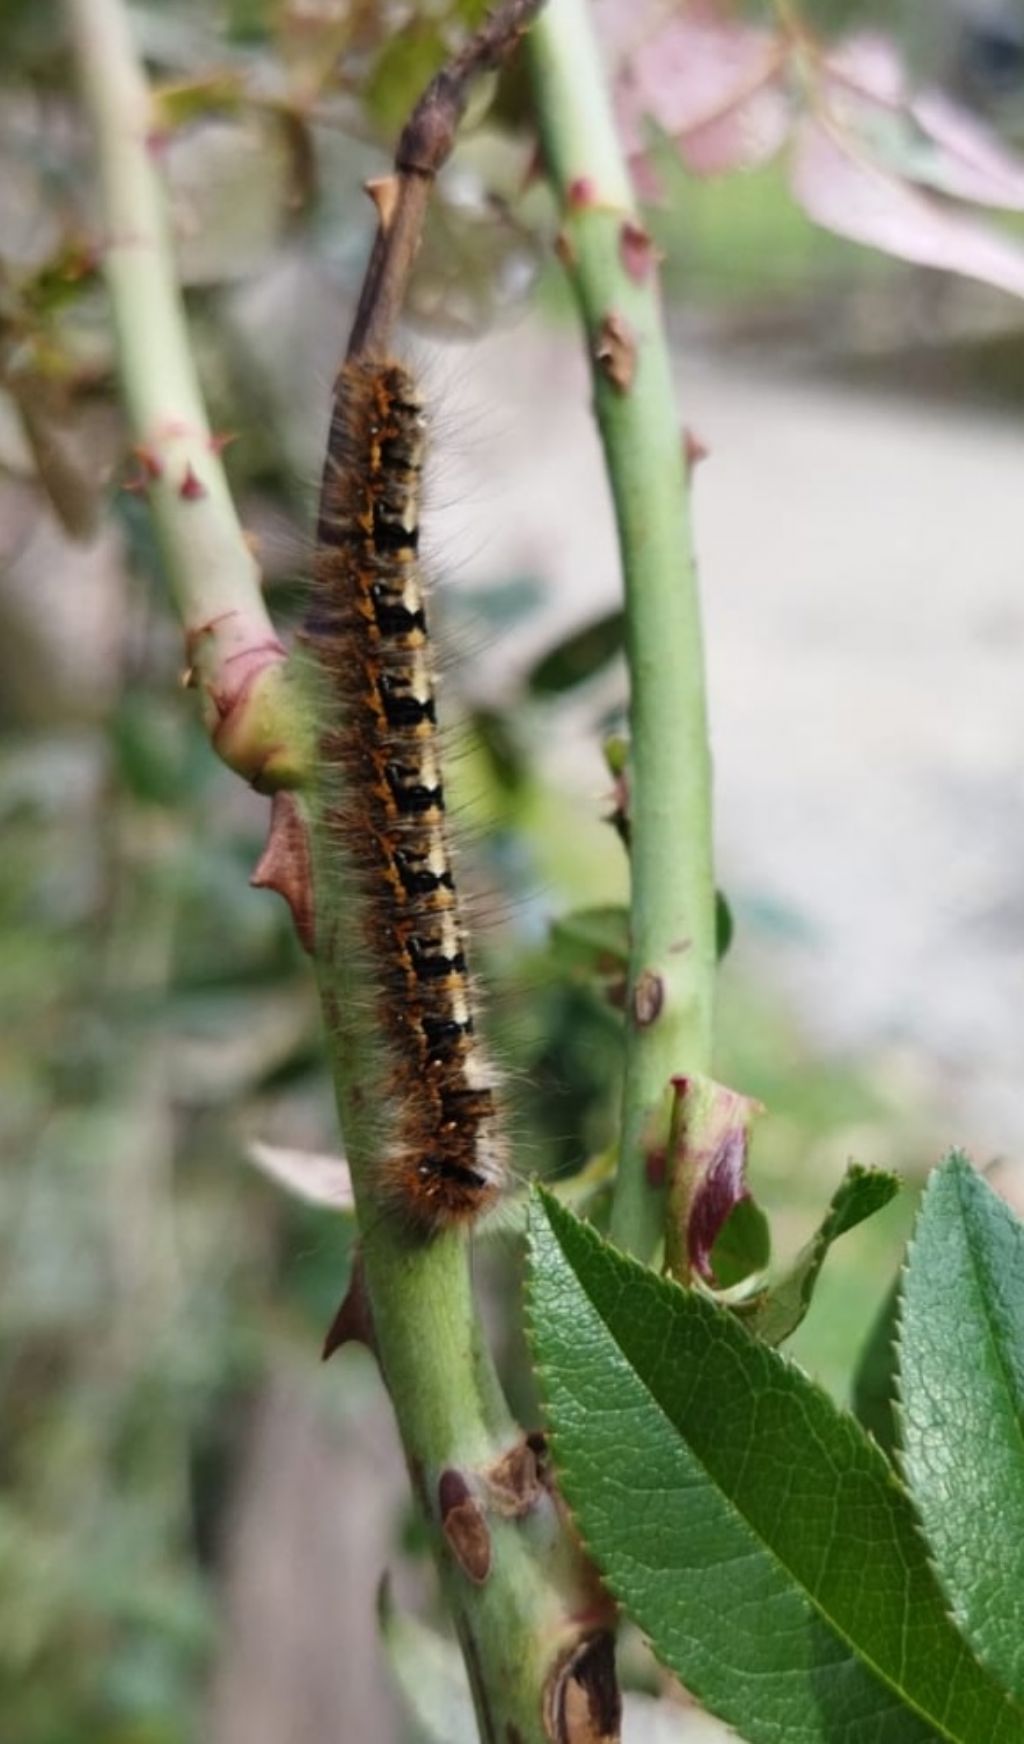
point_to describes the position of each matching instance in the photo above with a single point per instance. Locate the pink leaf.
(869, 65)
(844, 189)
(713, 87)
(923, 136)
(968, 160)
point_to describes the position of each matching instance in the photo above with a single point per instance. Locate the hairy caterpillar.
(443, 1160)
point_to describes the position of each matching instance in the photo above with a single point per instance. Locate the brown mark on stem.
(565, 250)
(582, 1704)
(514, 1483)
(615, 351)
(464, 1524)
(648, 998)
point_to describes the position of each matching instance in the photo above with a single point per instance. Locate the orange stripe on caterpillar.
(367, 629)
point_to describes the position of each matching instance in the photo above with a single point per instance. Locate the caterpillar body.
(443, 1159)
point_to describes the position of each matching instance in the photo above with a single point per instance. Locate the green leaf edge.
(540, 1196)
(957, 1163)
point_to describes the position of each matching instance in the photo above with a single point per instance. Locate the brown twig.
(424, 146)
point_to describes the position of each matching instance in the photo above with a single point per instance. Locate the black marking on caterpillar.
(444, 1163)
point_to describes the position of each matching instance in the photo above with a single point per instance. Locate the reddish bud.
(654, 1166)
(708, 1147)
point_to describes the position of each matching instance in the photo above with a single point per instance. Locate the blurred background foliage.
(162, 1303)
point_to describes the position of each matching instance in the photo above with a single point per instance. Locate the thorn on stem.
(383, 191)
(616, 351)
(637, 252)
(353, 1323)
(284, 864)
(150, 468)
(150, 463)
(565, 250)
(191, 487)
(465, 1526)
(695, 449)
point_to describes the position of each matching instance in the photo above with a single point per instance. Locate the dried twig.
(424, 147)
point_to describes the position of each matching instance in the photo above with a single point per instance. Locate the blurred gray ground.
(862, 587)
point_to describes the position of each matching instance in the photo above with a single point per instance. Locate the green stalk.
(235, 659)
(612, 267)
(534, 1629)
(520, 1594)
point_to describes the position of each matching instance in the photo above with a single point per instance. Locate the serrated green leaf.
(725, 926)
(961, 1368)
(874, 1380)
(752, 1530)
(859, 1195)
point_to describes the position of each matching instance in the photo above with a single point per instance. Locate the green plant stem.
(235, 659)
(531, 1618)
(669, 1010)
(527, 1618)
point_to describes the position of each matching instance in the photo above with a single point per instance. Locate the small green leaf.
(874, 1380)
(961, 1368)
(409, 58)
(743, 1246)
(595, 939)
(579, 657)
(498, 742)
(753, 1531)
(504, 605)
(725, 926)
(859, 1195)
